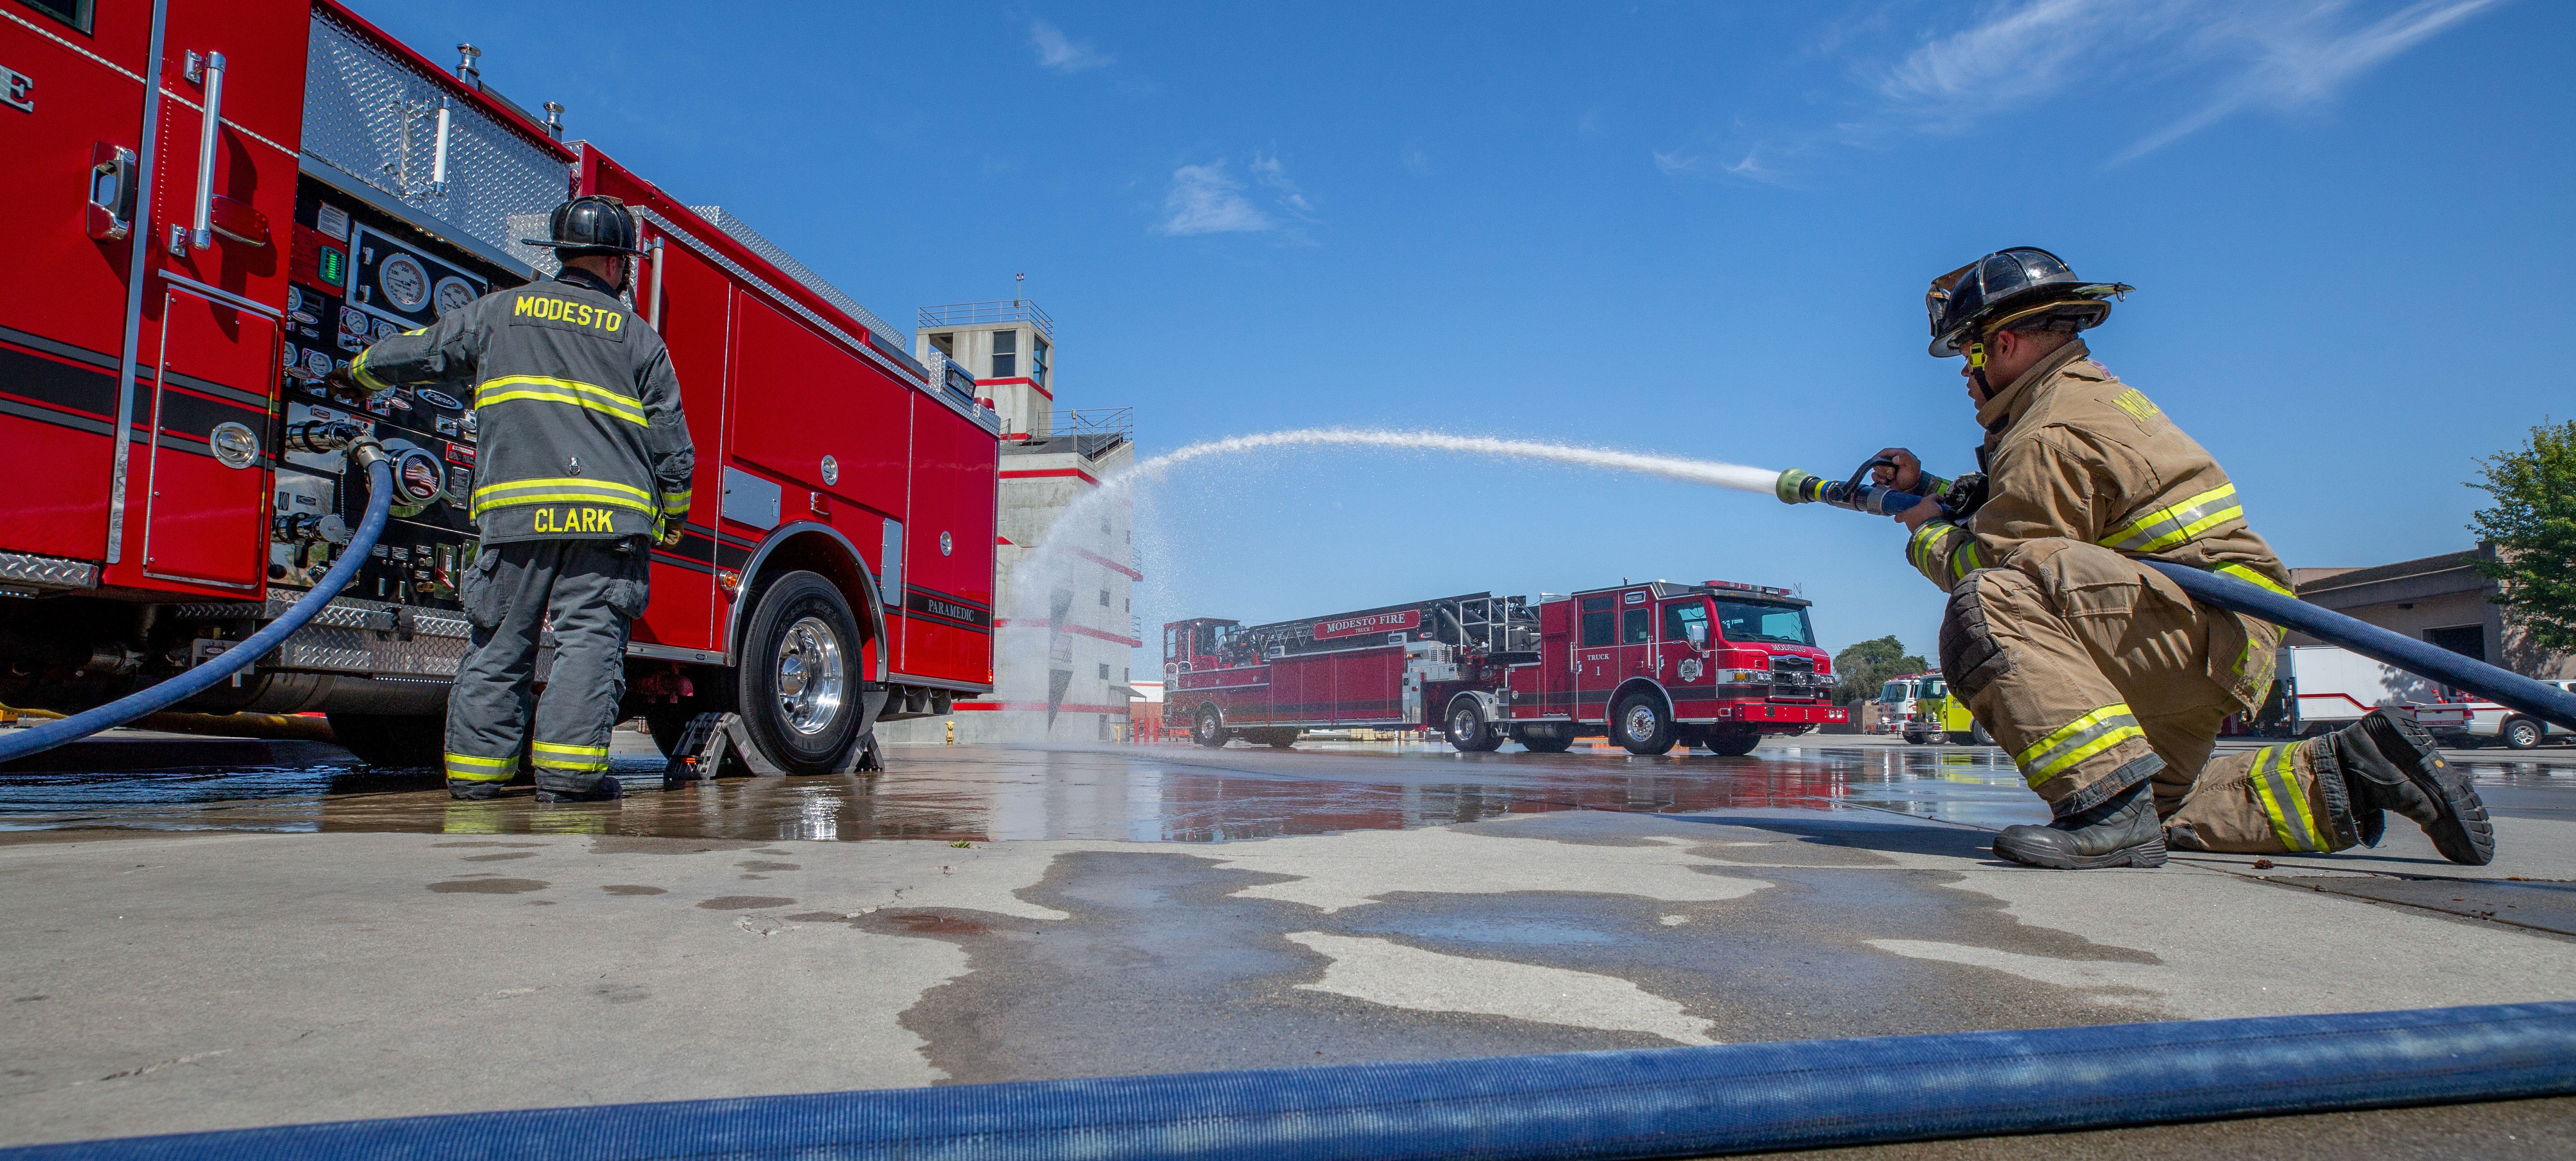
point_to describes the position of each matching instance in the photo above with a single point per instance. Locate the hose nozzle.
(1799, 487)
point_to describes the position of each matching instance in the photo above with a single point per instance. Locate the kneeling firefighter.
(2104, 680)
(584, 463)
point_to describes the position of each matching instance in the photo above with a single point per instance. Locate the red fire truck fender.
(814, 547)
(1485, 701)
(1634, 684)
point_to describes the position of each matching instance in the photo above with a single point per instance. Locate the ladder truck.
(1719, 665)
(217, 203)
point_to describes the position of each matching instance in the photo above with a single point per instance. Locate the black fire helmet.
(2013, 286)
(590, 224)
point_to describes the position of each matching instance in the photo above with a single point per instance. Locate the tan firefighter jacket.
(2073, 453)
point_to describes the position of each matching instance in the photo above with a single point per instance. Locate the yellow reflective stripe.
(562, 483)
(366, 378)
(550, 390)
(1965, 560)
(2252, 577)
(2276, 786)
(470, 768)
(1918, 548)
(2166, 527)
(563, 757)
(561, 498)
(675, 502)
(2076, 741)
(561, 489)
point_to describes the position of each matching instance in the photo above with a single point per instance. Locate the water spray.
(2502, 686)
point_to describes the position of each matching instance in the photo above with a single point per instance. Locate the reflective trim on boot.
(2120, 833)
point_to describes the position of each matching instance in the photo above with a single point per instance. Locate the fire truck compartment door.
(63, 305)
(1682, 633)
(205, 497)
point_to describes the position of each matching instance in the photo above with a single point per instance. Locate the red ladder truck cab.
(1719, 665)
(216, 204)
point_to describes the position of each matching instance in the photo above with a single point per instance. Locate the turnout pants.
(2096, 674)
(586, 592)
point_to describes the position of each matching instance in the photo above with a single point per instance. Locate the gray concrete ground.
(298, 939)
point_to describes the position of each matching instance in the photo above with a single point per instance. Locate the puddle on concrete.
(1156, 793)
(489, 886)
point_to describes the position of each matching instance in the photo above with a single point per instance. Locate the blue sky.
(1693, 229)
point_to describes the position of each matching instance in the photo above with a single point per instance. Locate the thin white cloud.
(1416, 162)
(1274, 177)
(1674, 162)
(1205, 199)
(1062, 53)
(2299, 69)
(2275, 54)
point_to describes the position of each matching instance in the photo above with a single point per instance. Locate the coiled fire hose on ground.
(380, 497)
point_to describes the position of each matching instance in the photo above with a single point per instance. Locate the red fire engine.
(217, 202)
(1718, 665)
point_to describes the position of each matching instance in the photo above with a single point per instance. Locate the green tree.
(1868, 665)
(2533, 527)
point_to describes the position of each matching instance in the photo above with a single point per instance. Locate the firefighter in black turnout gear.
(584, 463)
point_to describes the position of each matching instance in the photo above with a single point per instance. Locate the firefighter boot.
(476, 791)
(2121, 832)
(606, 789)
(2391, 765)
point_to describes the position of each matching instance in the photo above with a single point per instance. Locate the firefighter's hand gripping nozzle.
(1958, 501)
(1856, 493)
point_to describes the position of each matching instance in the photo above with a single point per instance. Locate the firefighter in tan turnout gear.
(585, 462)
(2103, 680)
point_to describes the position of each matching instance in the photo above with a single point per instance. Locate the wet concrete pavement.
(310, 940)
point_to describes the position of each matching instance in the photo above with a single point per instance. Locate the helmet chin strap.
(1976, 350)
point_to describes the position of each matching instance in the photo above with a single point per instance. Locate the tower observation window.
(1006, 354)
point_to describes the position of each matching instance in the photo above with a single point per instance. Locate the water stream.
(1052, 564)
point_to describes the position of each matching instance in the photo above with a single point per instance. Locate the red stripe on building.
(1109, 564)
(1086, 476)
(1040, 388)
(1076, 630)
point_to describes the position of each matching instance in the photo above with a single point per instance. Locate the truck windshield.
(1748, 621)
(1933, 689)
(1896, 691)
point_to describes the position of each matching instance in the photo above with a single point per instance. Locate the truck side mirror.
(1697, 631)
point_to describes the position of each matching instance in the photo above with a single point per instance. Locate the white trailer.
(2330, 687)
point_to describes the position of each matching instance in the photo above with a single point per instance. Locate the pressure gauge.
(404, 282)
(453, 292)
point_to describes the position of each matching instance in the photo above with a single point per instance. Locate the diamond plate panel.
(370, 651)
(46, 572)
(375, 117)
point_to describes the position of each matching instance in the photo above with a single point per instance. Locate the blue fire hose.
(1656, 1102)
(380, 495)
(2502, 686)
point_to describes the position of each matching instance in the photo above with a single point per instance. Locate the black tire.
(401, 740)
(1977, 735)
(1733, 743)
(1468, 728)
(1283, 739)
(1643, 724)
(1916, 740)
(799, 685)
(2516, 734)
(1209, 729)
(1540, 744)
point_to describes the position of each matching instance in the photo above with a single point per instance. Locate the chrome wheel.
(811, 676)
(1642, 722)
